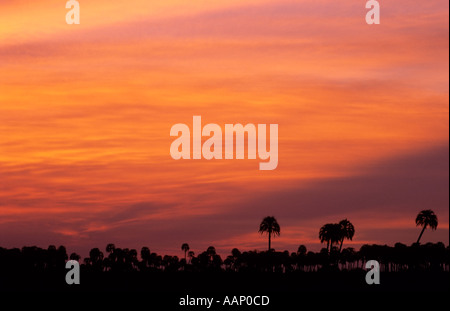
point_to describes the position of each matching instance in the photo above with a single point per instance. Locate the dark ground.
(228, 282)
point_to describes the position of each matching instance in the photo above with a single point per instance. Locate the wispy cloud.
(85, 114)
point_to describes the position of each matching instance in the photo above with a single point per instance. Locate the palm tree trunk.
(269, 240)
(328, 246)
(420, 236)
(340, 247)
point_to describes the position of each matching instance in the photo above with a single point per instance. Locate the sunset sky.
(86, 112)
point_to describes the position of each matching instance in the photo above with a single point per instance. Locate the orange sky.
(86, 111)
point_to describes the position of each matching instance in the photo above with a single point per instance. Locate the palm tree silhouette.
(270, 226)
(330, 233)
(185, 248)
(146, 256)
(211, 251)
(96, 258)
(110, 248)
(75, 256)
(301, 250)
(426, 218)
(347, 231)
(324, 235)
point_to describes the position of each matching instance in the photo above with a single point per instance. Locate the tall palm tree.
(330, 233)
(185, 248)
(347, 231)
(426, 218)
(270, 226)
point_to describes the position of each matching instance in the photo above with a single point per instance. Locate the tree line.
(400, 257)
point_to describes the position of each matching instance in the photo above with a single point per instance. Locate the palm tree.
(185, 248)
(95, 255)
(236, 258)
(145, 255)
(270, 226)
(110, 261)
(211, 251)
(75, 256)
(96, 258)
(110, 248)
(426, 218)
(236, 253)
(347, 231)
(330, 233)
(324, 235)
(302, 250)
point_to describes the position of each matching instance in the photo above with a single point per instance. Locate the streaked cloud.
(85, 115)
